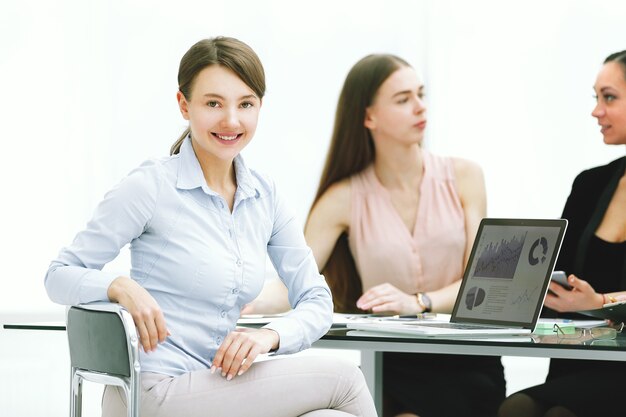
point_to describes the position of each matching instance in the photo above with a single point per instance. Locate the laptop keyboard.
(461, 326)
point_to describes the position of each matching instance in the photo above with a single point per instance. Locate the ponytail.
(176, 146)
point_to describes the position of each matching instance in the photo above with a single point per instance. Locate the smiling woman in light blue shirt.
(200, 224)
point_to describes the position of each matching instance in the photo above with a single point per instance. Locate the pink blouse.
(384, 250)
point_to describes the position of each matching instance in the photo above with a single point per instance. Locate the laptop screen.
(508, 272)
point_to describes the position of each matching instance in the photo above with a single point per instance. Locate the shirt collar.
(190, 174)
(246, 183)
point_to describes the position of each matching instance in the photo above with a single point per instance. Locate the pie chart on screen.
(474, 297)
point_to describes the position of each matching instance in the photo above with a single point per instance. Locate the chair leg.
(76, 395)
(132, 399)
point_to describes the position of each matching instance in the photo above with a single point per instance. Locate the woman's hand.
(581, 297)
(240, 349)
(143, 308)
(387, 298)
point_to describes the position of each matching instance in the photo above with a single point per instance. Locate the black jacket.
(583, 200)
(590, 196)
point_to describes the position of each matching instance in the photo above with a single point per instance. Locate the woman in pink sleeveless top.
(391, 227)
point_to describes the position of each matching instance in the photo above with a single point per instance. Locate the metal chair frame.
(122, 370)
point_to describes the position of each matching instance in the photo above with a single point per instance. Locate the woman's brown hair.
(620, 58)
(352, 150)
(230, 53)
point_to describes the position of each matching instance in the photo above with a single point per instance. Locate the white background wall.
(89, 92)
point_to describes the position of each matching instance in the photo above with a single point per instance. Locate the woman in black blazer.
(594, 257)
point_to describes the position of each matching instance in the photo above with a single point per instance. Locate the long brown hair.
(352, 150)
(228, 52)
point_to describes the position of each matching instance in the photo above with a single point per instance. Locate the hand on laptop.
(581, 297)
(386, 298)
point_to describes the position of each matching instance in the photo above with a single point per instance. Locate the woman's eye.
(403, 100)
(609, 97)
(246, 105)
(213, 103)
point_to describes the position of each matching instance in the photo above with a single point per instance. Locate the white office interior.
(89, 93)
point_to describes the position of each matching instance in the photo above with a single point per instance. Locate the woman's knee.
(520, 405)
(338, 366)
(559, 411)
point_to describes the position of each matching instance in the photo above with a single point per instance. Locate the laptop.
(503, 286)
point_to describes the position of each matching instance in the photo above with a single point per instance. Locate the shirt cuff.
(289, 333)
(95, 286)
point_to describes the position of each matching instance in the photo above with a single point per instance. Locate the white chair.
(104, 348)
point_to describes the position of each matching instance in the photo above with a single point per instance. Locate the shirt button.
(219, 340)
(235, 290)
(223, 314)
(221, 204)
(239, 262)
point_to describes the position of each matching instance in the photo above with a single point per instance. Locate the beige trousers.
(286, 387)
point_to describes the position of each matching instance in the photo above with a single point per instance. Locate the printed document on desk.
(505, 338)
(422, 329)
(343, 320)
(545, 322)
(257, 319)
(340, 320)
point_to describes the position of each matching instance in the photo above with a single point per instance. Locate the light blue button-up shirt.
(200, 262)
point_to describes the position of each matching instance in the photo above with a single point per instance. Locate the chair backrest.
(98, 341)
(104, 348)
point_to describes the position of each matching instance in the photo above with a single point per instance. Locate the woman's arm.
(470, 185)
(307, 290)
(75, 276)
(329, 218)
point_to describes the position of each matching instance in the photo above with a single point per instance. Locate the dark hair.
(620, 58)
(227, 52)
(352, 150)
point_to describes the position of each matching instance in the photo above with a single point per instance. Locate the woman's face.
(398, 111)
(222, 111)
(610, 110)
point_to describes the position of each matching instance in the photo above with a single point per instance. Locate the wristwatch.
(423, 300)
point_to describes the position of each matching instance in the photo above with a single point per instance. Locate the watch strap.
(423, 300)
